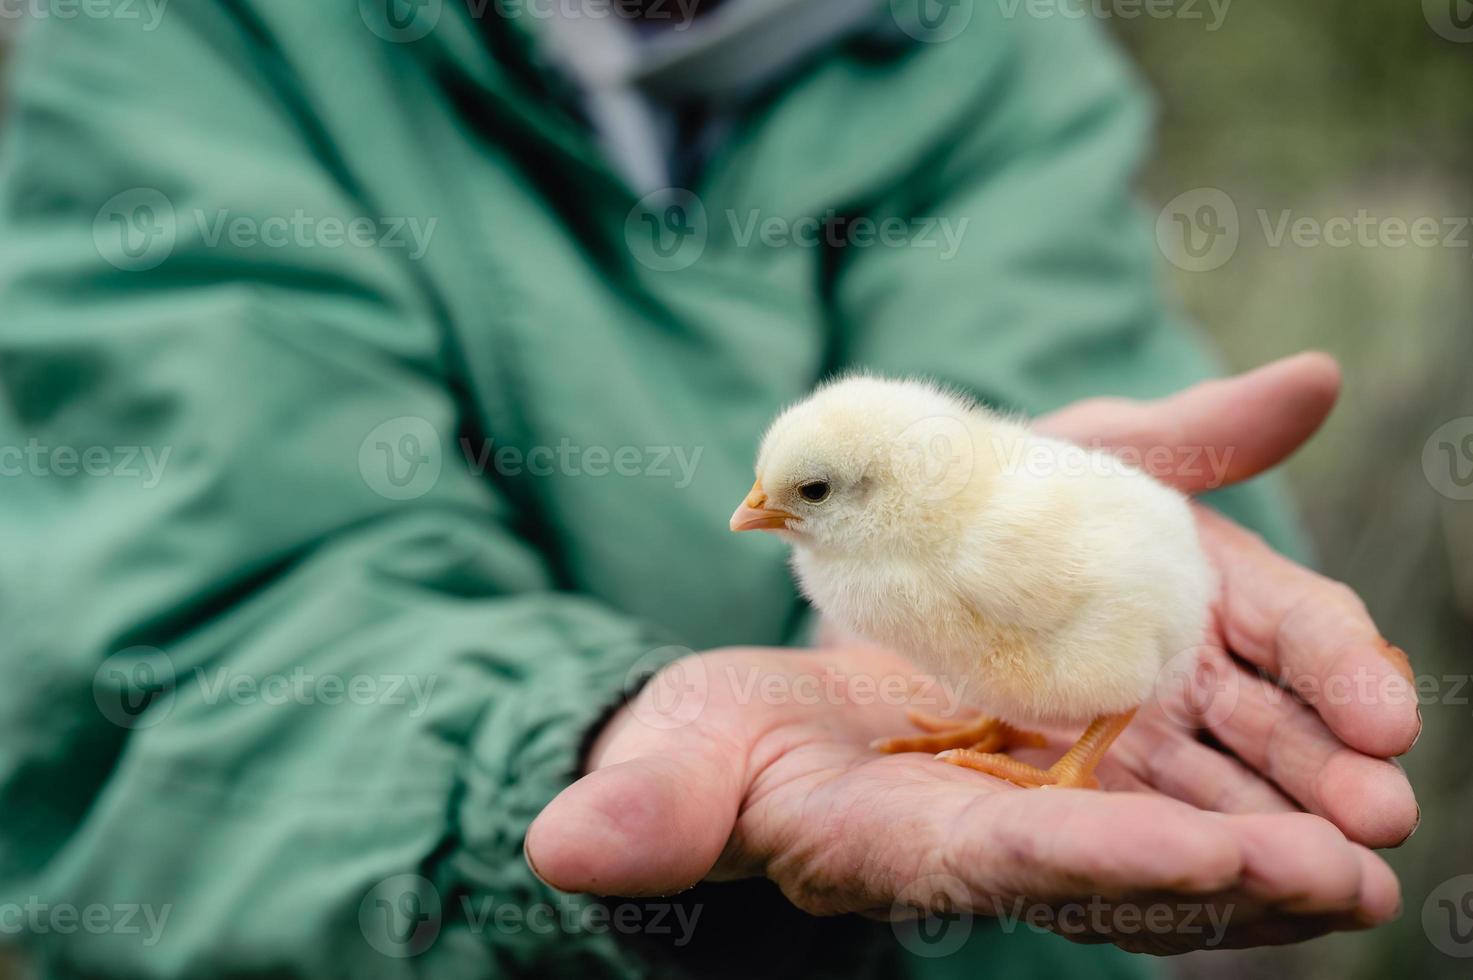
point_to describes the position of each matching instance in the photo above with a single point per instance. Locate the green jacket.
(363, 442)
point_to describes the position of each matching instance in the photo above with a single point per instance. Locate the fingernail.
(527, 856)
(1398, 658)
(1408, 837)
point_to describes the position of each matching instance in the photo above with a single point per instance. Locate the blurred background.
(1321, 110)
(1317, 135)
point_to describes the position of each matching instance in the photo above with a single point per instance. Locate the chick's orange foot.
(978, 734)
(1075, 770)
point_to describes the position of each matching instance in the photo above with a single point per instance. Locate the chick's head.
(865, 466)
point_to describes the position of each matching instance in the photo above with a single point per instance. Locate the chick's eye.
(814, 491)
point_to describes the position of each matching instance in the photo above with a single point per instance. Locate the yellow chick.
(1051, 581)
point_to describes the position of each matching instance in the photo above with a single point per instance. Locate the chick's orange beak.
(755, 515)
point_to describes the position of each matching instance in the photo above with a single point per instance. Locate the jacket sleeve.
(284, 684)
(1032, 278)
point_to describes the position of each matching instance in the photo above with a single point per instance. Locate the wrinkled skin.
(708, 775)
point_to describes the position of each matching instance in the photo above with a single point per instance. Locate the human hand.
(786, 786)
(1275, 625)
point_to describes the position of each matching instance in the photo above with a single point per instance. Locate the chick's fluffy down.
(1052, 583)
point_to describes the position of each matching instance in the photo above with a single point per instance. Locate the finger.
(1241, 919)
(923, 835)
(1380, 892)
(1367, 798)
(1214, 433)
(1172, 761)
(1061, 844)
(1298, 863)
(611, 832)
(1316, 636)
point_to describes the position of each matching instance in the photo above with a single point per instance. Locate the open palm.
(755, 761)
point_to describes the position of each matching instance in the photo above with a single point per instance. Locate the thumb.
(652, 818)
(1214, 433)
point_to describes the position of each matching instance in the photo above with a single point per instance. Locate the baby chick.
(1052, 581)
